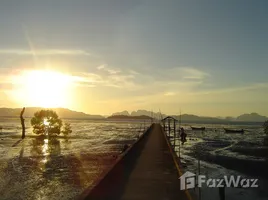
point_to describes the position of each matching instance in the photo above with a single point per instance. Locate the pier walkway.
(147, 172)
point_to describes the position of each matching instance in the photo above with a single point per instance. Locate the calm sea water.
(63, 168)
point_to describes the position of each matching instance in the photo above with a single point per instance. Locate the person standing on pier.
(183, 135)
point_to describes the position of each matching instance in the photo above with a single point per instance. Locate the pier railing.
(172, 134)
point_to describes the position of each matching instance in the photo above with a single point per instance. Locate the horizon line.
(130, 112)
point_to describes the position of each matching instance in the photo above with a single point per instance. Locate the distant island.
(62, 112)
(125, 117)
(252, 117)
(135, 115)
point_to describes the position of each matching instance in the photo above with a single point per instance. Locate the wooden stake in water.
(22, 123)
(174, 134)
(169, 128)
(199, 189)
(179, 150)
(179, 135)
(199, 166)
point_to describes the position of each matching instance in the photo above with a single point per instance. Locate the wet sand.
(45, 169)
(59, 168)
(223, 154)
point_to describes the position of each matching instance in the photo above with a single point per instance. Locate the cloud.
(45, 52)
(111, 80)
(101, 67)
(170, 94)
(112, 71)
(134, 72)
(108, 69)
(104, 77)
(176, 74)
(134, 83)
(170, 81)
(87, 79)
(192, 73)
(232, 89)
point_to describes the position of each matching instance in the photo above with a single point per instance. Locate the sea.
(62, 168)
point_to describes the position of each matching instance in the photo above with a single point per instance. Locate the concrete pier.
(146, 171)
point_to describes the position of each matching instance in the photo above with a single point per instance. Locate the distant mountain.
(62, 112)
(252, 117)
(230, 118)
(126, 113)
(195, 118)
(139, 113)
(124, 117)
(147, 113)
(184, 117)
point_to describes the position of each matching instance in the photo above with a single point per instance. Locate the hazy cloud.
(101, 67)
(192, 73)
(108, 69)
(87, 79)
(233, 89)
(134, 72)
(44, 52)
(117, 80)
(170, 94)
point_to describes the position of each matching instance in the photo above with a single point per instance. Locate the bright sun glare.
(43, 88)
(46, 123)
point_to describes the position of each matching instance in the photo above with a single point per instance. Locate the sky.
(204, 57)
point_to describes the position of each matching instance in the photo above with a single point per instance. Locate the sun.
(43, 88)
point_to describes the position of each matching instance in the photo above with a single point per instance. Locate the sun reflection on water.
(45, 150)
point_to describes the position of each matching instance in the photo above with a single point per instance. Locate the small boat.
(198, 128)
(233, 130)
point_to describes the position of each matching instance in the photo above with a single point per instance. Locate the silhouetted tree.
(67, 129)
(46, 122)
